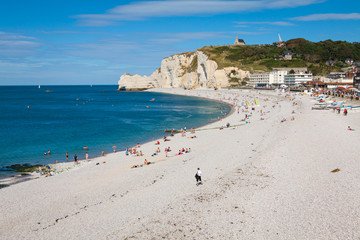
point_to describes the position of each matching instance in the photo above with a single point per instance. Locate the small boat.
(152, 100)
(48, 91)
(122, 89)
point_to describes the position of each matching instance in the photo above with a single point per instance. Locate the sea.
(60, 119)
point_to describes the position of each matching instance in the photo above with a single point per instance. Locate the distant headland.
(292, 63)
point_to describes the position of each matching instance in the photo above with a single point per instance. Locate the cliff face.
(187, 70)
(137, 82)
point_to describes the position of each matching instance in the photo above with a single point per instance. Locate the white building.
(277, 77)
(260, 79)
(265, 79)
(240, 42)
(296, 79)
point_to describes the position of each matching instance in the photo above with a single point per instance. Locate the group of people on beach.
(46, 172)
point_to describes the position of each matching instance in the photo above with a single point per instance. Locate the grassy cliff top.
(305, 54)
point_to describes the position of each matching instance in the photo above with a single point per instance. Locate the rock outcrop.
(186, 70)
(137, 83)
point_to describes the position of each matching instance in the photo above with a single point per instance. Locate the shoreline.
(18, 177)
(269, 178)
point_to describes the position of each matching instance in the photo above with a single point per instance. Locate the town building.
(336, 75)
(268, 79)
(356, 81)
(277, 77)
(238, 41)
(287, 55)
(294, 69)
(293, 80)
(259, 79)
(349, 61)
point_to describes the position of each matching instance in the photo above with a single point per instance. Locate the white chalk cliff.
(186, 70)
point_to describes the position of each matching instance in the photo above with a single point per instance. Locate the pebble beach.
(279, 171)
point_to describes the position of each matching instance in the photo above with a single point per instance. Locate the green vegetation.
(24, 168)
(305, 54)
(193, 65)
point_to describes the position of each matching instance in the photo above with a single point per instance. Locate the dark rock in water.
(132, 89)
(175, 131)
(5, 169)
(23, 168)
(3, 186)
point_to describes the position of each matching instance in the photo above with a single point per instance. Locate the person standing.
(67, 156)
(114, 149)
(198, 177)
(86, 156)
(76, 159)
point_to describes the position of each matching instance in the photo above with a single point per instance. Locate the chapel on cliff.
(239, 41)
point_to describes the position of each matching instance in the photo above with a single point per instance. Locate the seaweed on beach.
(25, 168)
(3, 186)
(175, 131)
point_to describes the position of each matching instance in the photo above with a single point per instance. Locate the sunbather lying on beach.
(136, 166)
(350, 129)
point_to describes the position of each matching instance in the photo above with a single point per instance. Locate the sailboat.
(39, 86)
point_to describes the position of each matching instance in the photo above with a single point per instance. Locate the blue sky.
(95, 42)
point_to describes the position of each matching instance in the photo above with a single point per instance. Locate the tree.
(292, 71)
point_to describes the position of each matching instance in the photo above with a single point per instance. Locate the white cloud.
(278, 23)
(172, 8)
(14, 44)
(328, 16)
(14, 35)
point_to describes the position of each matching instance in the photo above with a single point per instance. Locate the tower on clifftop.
(239, 41)
(280, 43)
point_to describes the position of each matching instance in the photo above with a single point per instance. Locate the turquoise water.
(67, 118)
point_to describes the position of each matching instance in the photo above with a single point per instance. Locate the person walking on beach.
(198, 177)
(76, 159)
